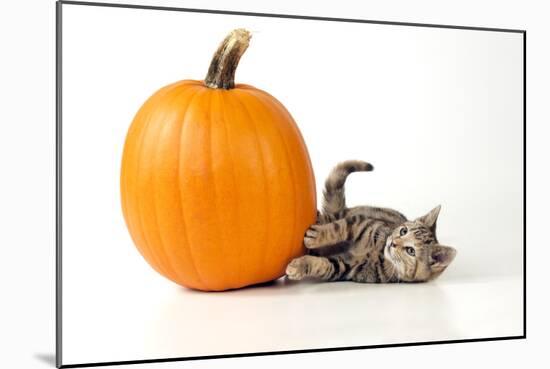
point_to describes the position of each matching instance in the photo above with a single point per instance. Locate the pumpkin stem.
(221, 73)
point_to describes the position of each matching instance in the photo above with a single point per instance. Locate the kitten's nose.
(392, 244)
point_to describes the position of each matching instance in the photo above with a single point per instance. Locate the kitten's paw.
(296, 269)
(312, 236)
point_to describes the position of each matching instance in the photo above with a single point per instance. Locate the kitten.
(368, 244)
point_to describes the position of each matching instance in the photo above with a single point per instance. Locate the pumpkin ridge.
(131, 223)
(294, 126)
(234, 271)
(239, 260)
(179, 202)
(184, 222)
(145, 238)
(266, 191)
(239, 270)
(229, 146)
(265, 115)
(153, 132)
(298, 134)
(221, 244)
(163, 250)
(140, 228)
(268, 105)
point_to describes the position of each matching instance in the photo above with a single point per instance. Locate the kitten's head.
(414, 252)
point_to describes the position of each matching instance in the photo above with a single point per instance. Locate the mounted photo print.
(236, 184)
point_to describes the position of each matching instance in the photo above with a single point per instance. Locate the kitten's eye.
(403, 231)
(410, 251)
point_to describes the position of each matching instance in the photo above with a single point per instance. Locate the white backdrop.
(29, 202)
(437, 111)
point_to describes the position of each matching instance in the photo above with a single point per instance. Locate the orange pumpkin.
(216, 183)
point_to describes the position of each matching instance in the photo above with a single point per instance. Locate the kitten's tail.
(334, 196)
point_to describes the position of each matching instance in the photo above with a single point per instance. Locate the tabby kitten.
(368, 244)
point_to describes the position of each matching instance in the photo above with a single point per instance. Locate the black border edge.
(309, 351)
(58, 140)
(524, 184)
(287, 16)
(58, 168)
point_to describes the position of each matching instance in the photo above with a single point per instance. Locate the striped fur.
(368, 244)
(334, 196)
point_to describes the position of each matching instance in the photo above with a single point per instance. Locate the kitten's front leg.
(316, 267)
(321, 235)
(323, 218)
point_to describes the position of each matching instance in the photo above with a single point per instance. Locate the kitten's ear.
(430, 219)
(440, 258)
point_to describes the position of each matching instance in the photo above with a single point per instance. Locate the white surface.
(157, 320)
(437, 112)
(27, 203)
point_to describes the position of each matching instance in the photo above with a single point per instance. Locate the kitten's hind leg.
(327, 269)
(321, 235)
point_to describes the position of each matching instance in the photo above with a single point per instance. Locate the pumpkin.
(216, 183)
